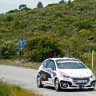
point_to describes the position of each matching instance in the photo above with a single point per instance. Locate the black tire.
(39, 82)
(57, 85)
(91, 89)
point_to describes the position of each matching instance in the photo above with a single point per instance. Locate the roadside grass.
(21, 63)
(13, 90)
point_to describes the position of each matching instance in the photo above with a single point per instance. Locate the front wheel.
(39, 82)
(91, 89)
(57, 85)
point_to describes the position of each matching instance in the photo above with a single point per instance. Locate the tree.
(22, 6)
(39, 5)
(12, 11)
(61, 2)
(69, 1)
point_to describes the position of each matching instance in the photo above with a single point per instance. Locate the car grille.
(81, 80)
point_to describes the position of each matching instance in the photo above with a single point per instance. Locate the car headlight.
(63, 75)
(92, 76)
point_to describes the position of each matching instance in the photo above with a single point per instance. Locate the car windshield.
(70, 65)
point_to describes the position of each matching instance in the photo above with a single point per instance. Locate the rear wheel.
(39, 82)
(57, 85)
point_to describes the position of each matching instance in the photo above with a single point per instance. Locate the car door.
(47, 71)
(50, 71)
(43, 72)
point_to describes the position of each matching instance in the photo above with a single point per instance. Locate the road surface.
(26, 78)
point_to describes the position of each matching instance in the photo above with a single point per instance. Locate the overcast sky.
(6, 5)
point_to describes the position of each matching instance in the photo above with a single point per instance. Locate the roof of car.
(65, 58)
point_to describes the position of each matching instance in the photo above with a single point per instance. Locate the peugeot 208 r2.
(65, 73)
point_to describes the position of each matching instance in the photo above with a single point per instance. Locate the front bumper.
(73, 85)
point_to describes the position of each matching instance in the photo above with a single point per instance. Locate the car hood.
(77, 72)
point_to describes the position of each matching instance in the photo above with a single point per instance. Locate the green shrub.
(85, 24)
(40, 47)
(8, 50)
(9, 18)
(19, 24)
(3, 30)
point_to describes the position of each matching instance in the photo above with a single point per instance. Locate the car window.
(51, 64)
(45, 64)
(71, 65)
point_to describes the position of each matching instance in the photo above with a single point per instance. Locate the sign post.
(92, 59)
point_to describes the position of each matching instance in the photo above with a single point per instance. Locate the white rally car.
(65, 73)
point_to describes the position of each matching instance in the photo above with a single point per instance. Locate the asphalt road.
(26, 78)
